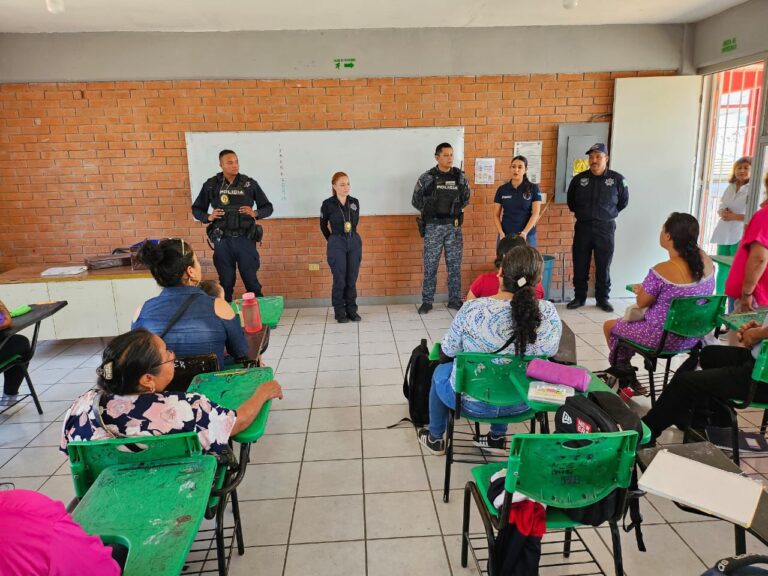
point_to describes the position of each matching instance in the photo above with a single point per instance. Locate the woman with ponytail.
(688, 272)
(511, 322)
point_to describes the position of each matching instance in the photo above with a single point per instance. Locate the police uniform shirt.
(597, 198)
(242, 191)
(424, 193)
(516, 205)
(334, 213)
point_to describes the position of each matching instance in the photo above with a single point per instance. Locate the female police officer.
(520, 201)
(339, 216)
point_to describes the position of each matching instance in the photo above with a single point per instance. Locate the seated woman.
(486, 325)
(726, 373)
(688, 272)
(207, 325)
(131, 399)
(488, 284)
(16, 344)
(748, 280)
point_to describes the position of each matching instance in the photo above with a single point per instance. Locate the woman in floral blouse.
(131, 400)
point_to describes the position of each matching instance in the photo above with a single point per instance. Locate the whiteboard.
(655, 130)
(294, 168)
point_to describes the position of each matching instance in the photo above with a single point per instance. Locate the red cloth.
(488, 285)
(756, 231)
(39, 538)
(529, 517)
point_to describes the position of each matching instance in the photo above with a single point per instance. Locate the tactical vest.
(230, 200)
(444, 198)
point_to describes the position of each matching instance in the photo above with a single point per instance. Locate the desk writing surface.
(156, 509)
(230, 389)
(724, 260)
(39, 313)
(737, 320)
(31, 274)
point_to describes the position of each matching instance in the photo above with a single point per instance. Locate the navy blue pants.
(592, 237)
(344, 252)
(241, 252)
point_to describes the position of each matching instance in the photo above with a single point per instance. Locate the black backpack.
(417, 382)
(596, 412)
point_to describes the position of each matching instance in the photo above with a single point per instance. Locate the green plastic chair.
(89, 459)
(483, 377)
(560, 471)
(154, 509)
(690, 317)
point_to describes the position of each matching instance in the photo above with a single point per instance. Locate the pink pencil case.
(554, 373)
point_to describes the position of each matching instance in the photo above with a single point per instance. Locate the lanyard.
(347, 222)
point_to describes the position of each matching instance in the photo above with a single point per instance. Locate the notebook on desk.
(722, 494)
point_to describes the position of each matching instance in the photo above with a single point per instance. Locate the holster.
(422, 226)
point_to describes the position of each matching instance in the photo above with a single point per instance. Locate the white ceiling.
(226, 15)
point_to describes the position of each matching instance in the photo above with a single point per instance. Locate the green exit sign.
(729, 44)
(344, 63)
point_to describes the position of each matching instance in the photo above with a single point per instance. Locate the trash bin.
(546, 276)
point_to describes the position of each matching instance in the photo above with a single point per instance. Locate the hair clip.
(105, 370)
(521, 281)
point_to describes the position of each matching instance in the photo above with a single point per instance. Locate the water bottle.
(251, 314)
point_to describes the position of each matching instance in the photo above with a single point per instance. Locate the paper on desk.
(723, 494)
(64, 271)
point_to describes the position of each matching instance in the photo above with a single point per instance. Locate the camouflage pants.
(437, 238)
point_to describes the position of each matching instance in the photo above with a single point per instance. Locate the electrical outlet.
(314, 266)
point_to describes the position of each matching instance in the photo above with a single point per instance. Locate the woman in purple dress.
(688, 272)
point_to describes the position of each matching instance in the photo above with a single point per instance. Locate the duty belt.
(448, 220)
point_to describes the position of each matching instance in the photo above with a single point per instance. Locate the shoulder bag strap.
(179, 313)
(506, 344)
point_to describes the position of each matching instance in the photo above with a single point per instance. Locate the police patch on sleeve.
(584, 181)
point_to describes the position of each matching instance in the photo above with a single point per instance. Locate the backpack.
(596, 412)
(417, 382)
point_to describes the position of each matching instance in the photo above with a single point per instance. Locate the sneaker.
(355, 317)
(425, 308)
(489, 443)
(605, 306)
(434, 445)
(575, 303)
(454, 304)
(8, 399)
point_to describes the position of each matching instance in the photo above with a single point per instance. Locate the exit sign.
(729, 44)
(344, 63)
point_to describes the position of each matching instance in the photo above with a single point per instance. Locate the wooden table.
(38, 313)
(101, 302)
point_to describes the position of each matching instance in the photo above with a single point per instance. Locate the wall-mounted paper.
(485, 170)
(532, 152)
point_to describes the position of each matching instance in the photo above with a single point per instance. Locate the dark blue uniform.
(338, 222)
(233, 235)
(517, 207)
(596, 202)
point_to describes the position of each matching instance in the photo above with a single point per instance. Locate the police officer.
(517, 204)
(339, 216)
(232, 227)
(595, 196)
(441, 195)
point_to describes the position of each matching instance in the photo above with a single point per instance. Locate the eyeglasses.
(173, 358)
(183, 245)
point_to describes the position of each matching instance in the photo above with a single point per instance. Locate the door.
(655, 130)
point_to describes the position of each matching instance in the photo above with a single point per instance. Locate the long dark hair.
(524, 160)
(168, 260)
(505, 245)
(520, 272)
(683, 229)
(126, 359)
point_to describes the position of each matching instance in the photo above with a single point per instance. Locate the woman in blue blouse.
(486, 325)
(207, 325)
(518, 203)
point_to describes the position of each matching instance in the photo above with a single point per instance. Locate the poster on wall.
(532, 152)
(485, 170)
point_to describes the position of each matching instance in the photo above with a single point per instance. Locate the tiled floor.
(330, 489)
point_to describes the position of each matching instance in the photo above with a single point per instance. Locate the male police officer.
(440, 195)
(232, 224)
(595, 196)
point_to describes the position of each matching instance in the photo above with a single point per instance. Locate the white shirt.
(731, 232)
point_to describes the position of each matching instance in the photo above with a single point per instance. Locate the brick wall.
(86, 167)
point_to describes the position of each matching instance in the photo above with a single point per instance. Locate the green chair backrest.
(694, 316)
(485, 377)
(90, 458)
(760, 371)
(556, 471)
